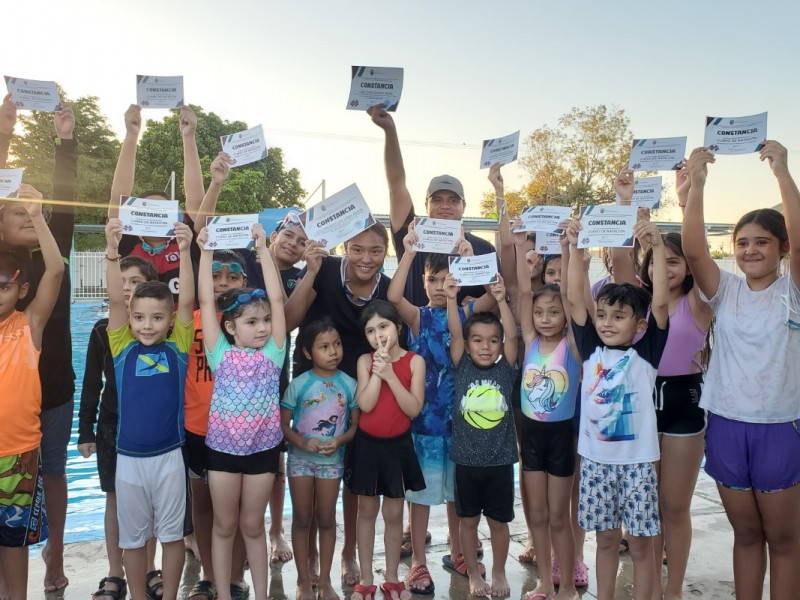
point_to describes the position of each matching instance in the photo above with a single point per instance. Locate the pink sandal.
(580, 574)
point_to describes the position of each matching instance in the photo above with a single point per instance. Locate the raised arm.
(510, 345)
(524, 294)
(776, 155)
(205, 293)
(8, 119)
(408, 312)
(401, 207)
(648, 233)
(117, 311)
(273, 285)
(183, 235)
(576, 276)
(507, 253)
(122, 185)
(192, 172)
(304, 294)
(38, 311)
(454, 320)
(220, 168)
(682, 185)
(621, 258)
(693, 230)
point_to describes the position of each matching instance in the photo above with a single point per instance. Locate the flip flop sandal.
(418, 574)
(387, 587)
(154, 589)
(118, 594)
(240, 592)
(367, 592)
(459, 565)
(204, 588)
(580, 575)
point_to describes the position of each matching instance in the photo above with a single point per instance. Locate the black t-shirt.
(332, 301)
(415, 292)
(94, 392)
(55, 361)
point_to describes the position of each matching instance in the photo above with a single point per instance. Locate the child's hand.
(133, 120)
(498, 289)
(777, 156)
(188, 121)
(28, 191)
(64, 121)
(463, 247)
(202, 239)
(587, 260)
(496, 177)
(647, 233)
(450, 287)
(380, 117)
(642, 213)
(562, 238)
(697, 165)
(573, 231)
(313, 256)
(183, 235)
(86, 450)
(113, 234)
(260, 237)
(329, 448)
(623, 185)
(8, 115)
(381, 364)
(410, 239)
(682, 183)
(517, 235)
(220, 168)
(312, 445)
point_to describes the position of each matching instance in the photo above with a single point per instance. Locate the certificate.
(10, 180)
(147, 217)
(657, 154)
(245, 147)
(436, 235)
(607, 225)
(230, 232)
(736, 135)
(29, 94)
(375, 85)
(501, 150)
(338, 218)
(646, 192)
(544, 218)
(159, 92)
(474, 270)
(548, 243)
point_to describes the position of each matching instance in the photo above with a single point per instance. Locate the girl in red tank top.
(382, 461)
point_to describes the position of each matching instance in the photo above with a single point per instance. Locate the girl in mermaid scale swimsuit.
(245, 351)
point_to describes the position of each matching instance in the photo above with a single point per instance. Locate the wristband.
(116, 258)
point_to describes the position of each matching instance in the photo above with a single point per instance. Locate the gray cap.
(445, 182)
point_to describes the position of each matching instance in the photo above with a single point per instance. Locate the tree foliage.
(97, 154)
(250, 188)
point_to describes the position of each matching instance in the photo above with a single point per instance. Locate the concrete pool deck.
(709, 574)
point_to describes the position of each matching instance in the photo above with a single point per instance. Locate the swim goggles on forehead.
(233, 267)
(290, 221)
(246, 298)
(13, 279)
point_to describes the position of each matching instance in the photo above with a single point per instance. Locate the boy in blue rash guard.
(150, 368)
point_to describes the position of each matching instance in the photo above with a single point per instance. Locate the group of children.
(197, 407)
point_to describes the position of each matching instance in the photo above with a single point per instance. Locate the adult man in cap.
(444, 200)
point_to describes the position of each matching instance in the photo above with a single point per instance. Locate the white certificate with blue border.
(245, 147)
(736, 135)
(338, 218)
(436, 235)
(230, 232)
(646, 192)
(10, 180)
(370, 86)
(153, 91)
(657, 154)
(544, 218)
(30, 94)
(607, 225)
(502, 150)
(148, 217)
(474, 270)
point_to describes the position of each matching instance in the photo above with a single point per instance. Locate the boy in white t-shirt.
(618, 439)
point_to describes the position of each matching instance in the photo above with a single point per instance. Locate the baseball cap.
(445, 182)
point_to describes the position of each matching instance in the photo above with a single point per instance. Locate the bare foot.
(478, 586)
(304, 591)
(528, 556)
(540, 591)
(281, 550)
(351, 574)
(54, 578)
(567, 594)
(191, 546)
(500, 585)
(325, 591)
(313, 569)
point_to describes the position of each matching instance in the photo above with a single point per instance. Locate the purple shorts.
(760, 456)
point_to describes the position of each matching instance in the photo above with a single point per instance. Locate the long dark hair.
(672, 240)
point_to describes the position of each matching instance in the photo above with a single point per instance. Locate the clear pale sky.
(473, 70)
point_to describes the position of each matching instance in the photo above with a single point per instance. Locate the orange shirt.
(21, 398)
(199, 383)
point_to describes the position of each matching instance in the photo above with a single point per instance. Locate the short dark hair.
(12, 259)
(549, 289)
(230, 256)
(153, 289)
(436, 262)
(482, 318)
(146, 268)
(382, 309)
(150, 193)
(228, 303)
(626, 294)
(378, 228)
(673, 242)
(309, 334)
(771, 220)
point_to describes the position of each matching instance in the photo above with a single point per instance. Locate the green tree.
(97, 154)
(262, 184)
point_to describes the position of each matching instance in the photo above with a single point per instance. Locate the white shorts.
(152, 498)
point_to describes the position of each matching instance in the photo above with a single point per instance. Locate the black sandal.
(153, 590)
(204, 588)
(118, 594)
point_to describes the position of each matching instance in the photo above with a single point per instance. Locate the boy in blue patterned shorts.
(618, 439)
(150, 367)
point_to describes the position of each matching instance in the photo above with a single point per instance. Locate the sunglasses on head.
(233, 267)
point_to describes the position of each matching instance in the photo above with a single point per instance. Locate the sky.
(473, 71)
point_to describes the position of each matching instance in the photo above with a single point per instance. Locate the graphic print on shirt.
(610, 407)
(543, 386)
(323, 411)
(151, 364)
(484, 405)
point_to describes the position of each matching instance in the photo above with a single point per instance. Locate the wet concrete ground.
(709, 574)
